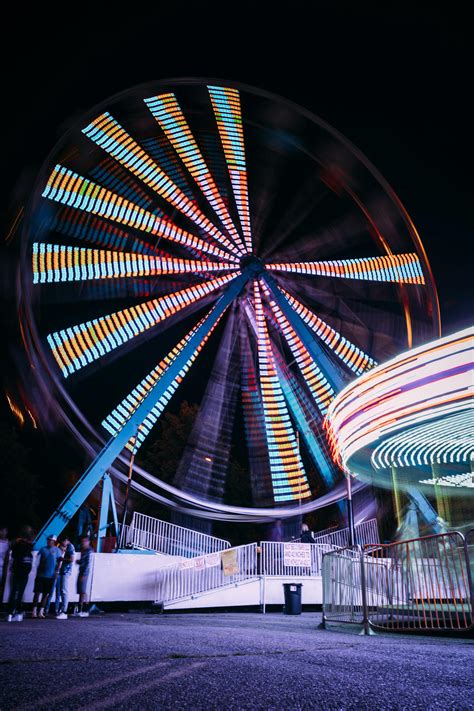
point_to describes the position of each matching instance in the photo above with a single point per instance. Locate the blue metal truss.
(426, 509)
(107, 501)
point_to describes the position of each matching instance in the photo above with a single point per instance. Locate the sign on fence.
(297, 555)
(213, 559)
(186, 563)
(230, 563)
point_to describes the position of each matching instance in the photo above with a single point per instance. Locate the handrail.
(366, 532)
(151, 533)
(196, 576)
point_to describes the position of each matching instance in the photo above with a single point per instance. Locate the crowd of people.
(55, 563)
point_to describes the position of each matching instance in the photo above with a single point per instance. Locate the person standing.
(306, 535)
(85, 565)
(49, 560)
(62, 584)
(22, 560)
(4, 548)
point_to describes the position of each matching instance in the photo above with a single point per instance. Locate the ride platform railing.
(268, 559)
(418, 584)
(197, 576)
(366, 533)
(276, 559)
(148, 533)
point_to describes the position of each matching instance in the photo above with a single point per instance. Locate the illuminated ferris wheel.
(206, 232)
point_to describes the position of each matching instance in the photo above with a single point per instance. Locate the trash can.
(292, 598)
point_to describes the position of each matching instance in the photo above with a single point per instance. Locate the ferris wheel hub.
(252, 265)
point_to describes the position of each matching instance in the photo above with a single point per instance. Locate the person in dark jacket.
(306, 535)
(21, 553)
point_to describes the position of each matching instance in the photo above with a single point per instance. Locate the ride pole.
(127, 489)
(350, 511)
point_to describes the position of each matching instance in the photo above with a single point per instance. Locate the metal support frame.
(431, 517)
(109, 453)
(107, 502)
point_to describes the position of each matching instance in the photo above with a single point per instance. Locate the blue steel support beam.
(107, 501)
(332, 373)
(106, 457)
(426, 509)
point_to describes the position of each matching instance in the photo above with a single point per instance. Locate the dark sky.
(398, 85)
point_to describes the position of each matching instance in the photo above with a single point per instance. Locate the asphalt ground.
(226, 661)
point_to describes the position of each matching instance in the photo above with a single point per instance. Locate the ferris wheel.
(210, 233)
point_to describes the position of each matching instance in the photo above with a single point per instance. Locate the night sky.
(397, 84)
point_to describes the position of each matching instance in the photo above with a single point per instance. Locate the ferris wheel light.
(107, 133)
(166, 110)
(400, 268)
(100, 244)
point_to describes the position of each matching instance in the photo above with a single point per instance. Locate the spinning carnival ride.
(195, 225)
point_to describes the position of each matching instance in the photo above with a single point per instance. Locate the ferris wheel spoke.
(77, 346)
(168, 113)
(228, 113)
(348, 352)
(95, 230)
(107, 133)
(320, 388)
(287, 471)
(66, 187)
(254, 423)
(54, 263)
(204, 465)
(399, 268)
(116, 420)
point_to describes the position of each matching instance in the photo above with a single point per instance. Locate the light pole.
(350, 511)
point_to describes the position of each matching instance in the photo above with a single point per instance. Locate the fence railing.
(422, 583)
(205, 572)
(342, 572)
(366, 532)
(152, 534)
(292, 558)
(202, 574)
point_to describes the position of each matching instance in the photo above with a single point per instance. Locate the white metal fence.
(152, 534)
(278, 559)
(205, 572)
(196, 576)
(366, 532)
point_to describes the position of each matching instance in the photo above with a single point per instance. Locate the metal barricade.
(189, 578)
(423, 583)
(418, 584)
(343, 586)
(153, 534)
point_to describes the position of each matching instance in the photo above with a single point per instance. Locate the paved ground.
(226, 661)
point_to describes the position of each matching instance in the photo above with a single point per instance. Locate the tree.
(163, 453)
(20, 483)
